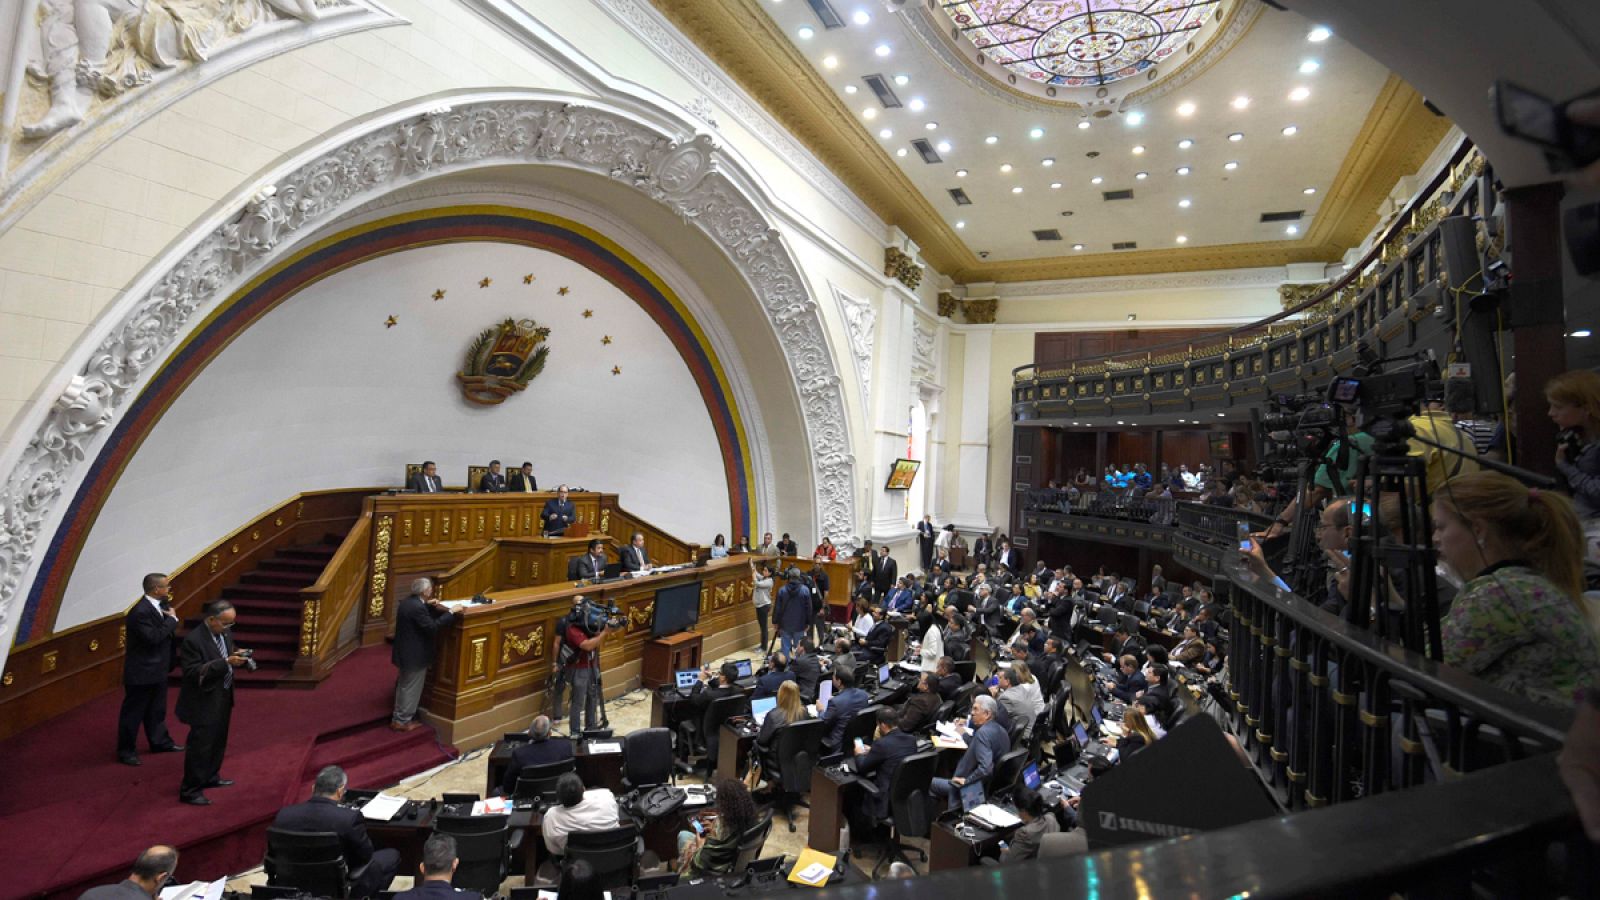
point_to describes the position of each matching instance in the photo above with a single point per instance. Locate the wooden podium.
(664, 656)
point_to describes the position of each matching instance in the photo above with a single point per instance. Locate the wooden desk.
(733, 750)
(827, 809)
(663, 657)
(948, 849)
(405, 835)
(596, 769)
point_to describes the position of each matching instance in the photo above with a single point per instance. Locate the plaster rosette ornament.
(503, 360)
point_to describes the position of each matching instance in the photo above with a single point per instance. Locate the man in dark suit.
(205, 702)
(945, 679)
(151, 871)
(558, 513)
(492, 481)
(725, 684)
(370, 870)
(1008, 556)
(987, 743)
(634, 557)
(438, 868)
(888, 570)
(882, 759)
(1128, 681)
(426, 481)
(807, 669)
(922, 708)
(926, 537)
(522, 480)
(777, 673)
(847, 701)
(541, 751)
(592, 564)
(1122, 644)
(416, 620)
(877, 640)
(1161, 696)
(151, 626)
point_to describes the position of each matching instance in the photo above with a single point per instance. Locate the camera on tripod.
(1297, 427)
(1386, 401)
(593, 617)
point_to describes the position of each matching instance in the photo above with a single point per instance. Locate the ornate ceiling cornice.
(743, 40)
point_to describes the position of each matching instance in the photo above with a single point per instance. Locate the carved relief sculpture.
(899, 265)
(860, 322)
(502, 361)
(948, 304)
(981, 312)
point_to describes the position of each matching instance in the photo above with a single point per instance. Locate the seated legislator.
(591, 565)
(323, 813)
(438, 867)
(427, 481)
(492, 482)
(541, 751)
(634, 557)
(152, 870)
(882, 759)
(847, 701)
(522, 480)
(777, 673)
(807, 669)
(878, 638)
(922, 709)
(987, 743)
(946, 679)
(558, 514)
(788, 711)
(1128, 680)
(577, 809)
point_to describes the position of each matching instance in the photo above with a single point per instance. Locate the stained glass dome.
(1078, 43)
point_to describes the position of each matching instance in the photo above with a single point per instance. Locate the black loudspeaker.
(1581, 224)
(1190, 781)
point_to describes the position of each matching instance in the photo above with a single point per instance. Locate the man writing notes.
(418, 617)
(492, 481)
(522, 480)
(557, 514)
(151, 627)
(634, 557)
(426, 481)
(205, 703)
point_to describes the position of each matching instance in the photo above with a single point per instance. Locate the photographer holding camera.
(585, 632)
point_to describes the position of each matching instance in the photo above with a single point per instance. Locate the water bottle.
(844, 841)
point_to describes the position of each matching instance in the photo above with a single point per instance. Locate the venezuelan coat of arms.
(502, 360)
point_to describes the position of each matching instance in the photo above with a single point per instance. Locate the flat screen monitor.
(1094, 713)
(901, 474)
(971, 796)
(742, 667)
(687, 678)
(1030, 776)
(1079, 732)
(883, 675)
(760, 708)
(677, 608)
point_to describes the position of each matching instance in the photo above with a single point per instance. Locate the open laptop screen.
(971, 796)
(1081, 734)
(743, 667)
(687, 678)
(883, 675)
(1030, 776)
(760, 708)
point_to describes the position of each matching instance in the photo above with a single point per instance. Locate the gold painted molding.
(1398, 135)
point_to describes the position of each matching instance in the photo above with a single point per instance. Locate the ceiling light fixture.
(881, 49)
(1236, 136)
(885, 133)
(917, 104)
(1005, 167)
(961, 224)
(1230, 165)
(944, 147)
(1222, 415)
(849, 89)
(1055, 185)
(1142, 175)
(1186, 109)
(830, 62)
(1309, 191)
(1240, 102)
(806, 32)
(902, 80)
(1182, 170)
(861, 17)
(1292, 229)
(1290, 131)
(1184, 203)
(992, 139)
(961, 173)
(900, 152)
(1299, 94)
(1183, 239)
(1017, 189)
(1309, 66)
(1096, 180)
(869, 113)
(1185, 144)
(1083, 125)
(1077, 246)
(1138, 149)
(1581, 332)
(1319, 34)
(932, 126)
(1048, 161)
(1135, 118)
(1036, 133)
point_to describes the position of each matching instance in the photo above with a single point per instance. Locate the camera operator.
(586, 631)
(1574, 399)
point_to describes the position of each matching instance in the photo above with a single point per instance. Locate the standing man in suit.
(592, 565)
(151, 626)
(541, 751)
(151, 871)
(987, 744)
(634, 557)
(888, 570)
(426, 481)
(522, 480)
(558, 513)
(416, 620)
(492, 481)
(370, 870)
(205, 703)
(926, 536)
(878, 638)
(438, 867)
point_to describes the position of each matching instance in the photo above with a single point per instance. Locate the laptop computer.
(760, 708)
(686, 679)
(884, 674)
(971, 796)
(1096, 715)
(1030, 776)
(743, 671)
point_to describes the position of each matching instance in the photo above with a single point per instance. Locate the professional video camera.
(1386, 401)
(1296, 428)
(594, 618)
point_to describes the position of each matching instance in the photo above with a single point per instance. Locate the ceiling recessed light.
(1135, 118)
(1582, 332)
(1299, 93)
(1186, 109)
(869, 113)
(849, 89)
(885, 133)
(902, 80)
(1048, 161)
(1005, 167)
(1240, 102)
(1221, 415)
(961, 224)
(1290, 131)
(1083, 124)
(932, 126)
(806, 32)
(1230, 165)
(992, 139)
(1185, 144)
(1120, 422)
(1096, 180)
(1182, 239)
(1184, 203)
(961, 173)
(881, 49)
(1055, 185)
(900, 152)
(861, 17)
(1138, 149)
(1292, 229)
(1182, 170)
(1036, 133)
(944, 147)
(1319, 34)
(1309, 191)
(1077, 246)
(1142, 175)
(1236, 136)
(830, 62)
(917, 104)
(1017, 189)
(1309, 66)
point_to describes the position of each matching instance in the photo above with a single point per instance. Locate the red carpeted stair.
(78, 818)
(269, 605)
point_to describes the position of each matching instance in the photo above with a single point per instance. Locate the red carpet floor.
(71, 816)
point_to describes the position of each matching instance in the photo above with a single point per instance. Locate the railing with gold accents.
(513, 563)
(330, 608)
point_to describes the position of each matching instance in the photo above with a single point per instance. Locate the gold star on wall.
(562, 291)
(390, 322)
(485, 282)
(588, 314)
(438, 294)
(616, 370)
(606, 339)
(527, 279)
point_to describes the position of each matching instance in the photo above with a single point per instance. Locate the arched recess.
(650, 152)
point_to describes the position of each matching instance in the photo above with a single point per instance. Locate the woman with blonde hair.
(1518, 621)
(1136, 731)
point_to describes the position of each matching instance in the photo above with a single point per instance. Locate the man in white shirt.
(577, 810)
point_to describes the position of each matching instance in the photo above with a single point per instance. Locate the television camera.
(594, 617)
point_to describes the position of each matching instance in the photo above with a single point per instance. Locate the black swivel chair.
(796, 749)
(963, 699)
(647, 759)
(312, 861)
(1007, 772)
(911, 808)
(750, 844)
(863, 725)
(539, 782)
(966, 668)
(719, 711)
(483, 846)
(613, 853)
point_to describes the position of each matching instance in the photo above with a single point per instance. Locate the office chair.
(796, 747)
(447, 798)
(612, 852)
(1007, 772)
(483, 846)
(750, 844)
(911, 809)
(719, 711)
(963, 698)
(862, 725)
(539, 782)
(647, 759)
(966, 668)
(312, 861)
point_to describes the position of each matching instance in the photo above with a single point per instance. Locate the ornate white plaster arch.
(653, 152)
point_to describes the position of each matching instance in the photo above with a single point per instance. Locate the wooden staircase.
(269, 606)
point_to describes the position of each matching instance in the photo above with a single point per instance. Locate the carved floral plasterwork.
(686, 174)
(923, 363)
(860, 321)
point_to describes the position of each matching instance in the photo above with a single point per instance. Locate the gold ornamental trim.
(532, 645)
(308, 628)
(380, 566)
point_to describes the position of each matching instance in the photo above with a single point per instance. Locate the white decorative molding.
(860, 323)
(662, 159)
(924, 350)
(1267, 277)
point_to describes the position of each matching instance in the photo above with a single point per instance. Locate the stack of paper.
(605, 747)
(195, 890)
(812, 868)
(383, 807)
(993, 816)
(948, 743)
(492, 806)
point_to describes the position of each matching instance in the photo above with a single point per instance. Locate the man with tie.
(884, 577)
(416, 620)
(522, 480)
(592, 564)
(151, 627)
(426, 481)
(900, 600)
(987, 743)
(492, 481)
(926, 536)
(634, 557)
(558, 513)
(205, 702)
